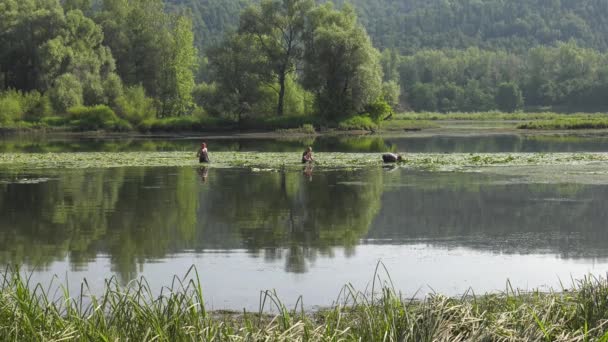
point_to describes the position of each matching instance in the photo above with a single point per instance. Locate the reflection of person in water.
(391, 157)
(307, 155)
(203, 173)
(308, 171)
(203, 154)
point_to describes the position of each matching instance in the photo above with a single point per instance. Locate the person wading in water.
(202, 154)
(307, 155)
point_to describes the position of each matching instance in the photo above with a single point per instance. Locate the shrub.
(378, 110)
(92, 90)
(55, 121)
(391, 91)
(36, 106)
(184, 123)
(304, 129)
(10, 107)
(65, 93)
(134, 106)
(96, 117)
(16, 105)
(112, 88)
(358, 122)
(277, 122)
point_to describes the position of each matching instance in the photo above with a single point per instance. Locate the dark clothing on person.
(390, 158)
(304, 157)
(203, 155)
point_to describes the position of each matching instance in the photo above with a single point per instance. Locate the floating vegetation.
(272, 161)
(33, 312)
(33, 180)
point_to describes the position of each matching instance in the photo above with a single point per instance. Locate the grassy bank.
(31, 312)
(104, 119)
(498, 116)
(567, 123)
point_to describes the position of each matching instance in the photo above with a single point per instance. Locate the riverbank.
(33, 312)
(308, 125)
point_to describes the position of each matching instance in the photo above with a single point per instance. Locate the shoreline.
(135, 312)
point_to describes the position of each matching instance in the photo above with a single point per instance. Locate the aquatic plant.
(290, 160)
(135, 312)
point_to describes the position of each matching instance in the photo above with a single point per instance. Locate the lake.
(418, 142)
(302, 232)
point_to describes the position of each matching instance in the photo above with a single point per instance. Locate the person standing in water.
(307, 155)
(203, 154)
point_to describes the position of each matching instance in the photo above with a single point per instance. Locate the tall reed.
(31, 312)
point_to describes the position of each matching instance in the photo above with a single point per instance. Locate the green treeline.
(129, 56)
(412, 25)
(471, 55)
(123, 64)
(514, 25)
(564, 77)
(154, 65)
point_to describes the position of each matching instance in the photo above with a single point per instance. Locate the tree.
(341, 66)
(509, 97)
(422, 97)
(25, 26)
(234, 66)
(65, 93)
(180, 64)
(391, 91)
(154, 49)
(278, 27)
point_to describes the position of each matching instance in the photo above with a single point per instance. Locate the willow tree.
(179, 64)
(278, 26)
(341, 66)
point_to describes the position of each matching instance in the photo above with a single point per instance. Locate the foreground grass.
(29, 312)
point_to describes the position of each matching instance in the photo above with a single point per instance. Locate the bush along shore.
(29, 312)
(103, 118)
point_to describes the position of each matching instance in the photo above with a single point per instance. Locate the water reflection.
(140, 216)
(475, 143)
(29, 144)
(499, 216)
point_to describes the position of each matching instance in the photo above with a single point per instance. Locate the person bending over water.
(203, 154)
(307, 155)
(391, 157)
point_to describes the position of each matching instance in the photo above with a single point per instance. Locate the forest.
(232, 64)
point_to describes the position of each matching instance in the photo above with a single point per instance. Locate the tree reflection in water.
(138, 215)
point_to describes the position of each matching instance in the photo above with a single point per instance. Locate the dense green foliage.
(412, 25)
(139, 59)
(565, 77)
(244, 61)
(465, 49)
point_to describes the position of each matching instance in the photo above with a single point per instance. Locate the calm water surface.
(465, 143)
(301, 234)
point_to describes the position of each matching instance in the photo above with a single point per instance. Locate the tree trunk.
(281, 93)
